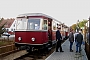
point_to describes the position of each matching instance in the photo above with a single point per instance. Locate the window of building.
(14, 25)
(11, 29)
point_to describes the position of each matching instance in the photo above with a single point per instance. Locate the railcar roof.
(36, 14)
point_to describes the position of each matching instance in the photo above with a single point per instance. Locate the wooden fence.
(7, 49)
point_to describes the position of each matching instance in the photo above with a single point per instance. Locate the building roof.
(8, 22)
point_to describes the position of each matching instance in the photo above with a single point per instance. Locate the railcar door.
(50, 30)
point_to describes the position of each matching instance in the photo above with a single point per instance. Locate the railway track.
(23, 55)
(36, 55)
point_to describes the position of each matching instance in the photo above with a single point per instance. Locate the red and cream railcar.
(35, 31)
(87, 39)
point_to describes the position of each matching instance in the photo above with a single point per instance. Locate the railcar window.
(54, 25)
(45, 25)
(21, 24)
(34, 24)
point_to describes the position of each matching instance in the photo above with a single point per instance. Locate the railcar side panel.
(54, 35)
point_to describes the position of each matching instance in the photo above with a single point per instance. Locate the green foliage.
(82, 23)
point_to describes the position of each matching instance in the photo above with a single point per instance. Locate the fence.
(8, 47)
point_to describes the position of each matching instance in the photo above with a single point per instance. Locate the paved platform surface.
(67, 55)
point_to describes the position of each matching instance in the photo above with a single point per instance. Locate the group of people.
(77, 37)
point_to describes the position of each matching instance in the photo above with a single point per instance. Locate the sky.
(66, 11)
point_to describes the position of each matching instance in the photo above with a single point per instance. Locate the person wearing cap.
(79, 39)
(59, 40)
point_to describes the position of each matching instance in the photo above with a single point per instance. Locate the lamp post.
(78, 26)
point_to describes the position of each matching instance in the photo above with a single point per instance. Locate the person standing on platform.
(59, 40)
(71, 39)
(79, 39)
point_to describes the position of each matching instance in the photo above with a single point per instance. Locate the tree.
(82, 23)
(74, 27)
(2, 26)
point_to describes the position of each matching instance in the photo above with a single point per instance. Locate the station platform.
(67, 55)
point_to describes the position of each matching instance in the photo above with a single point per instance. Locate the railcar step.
(50, 48)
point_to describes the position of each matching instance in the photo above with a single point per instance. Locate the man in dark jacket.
(71, 39)
(79, 39)
(59, 40)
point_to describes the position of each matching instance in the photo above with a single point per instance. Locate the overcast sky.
(66, 11)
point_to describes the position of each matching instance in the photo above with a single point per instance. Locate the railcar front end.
(31, 33)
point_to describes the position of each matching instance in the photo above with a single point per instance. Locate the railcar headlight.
(19, 38)
(33, 39)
